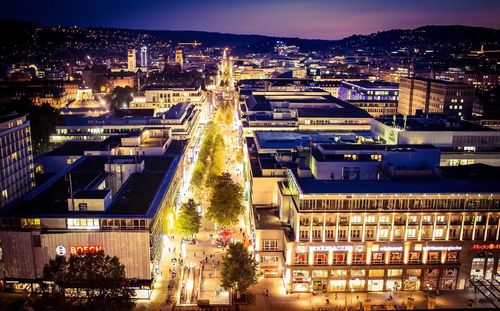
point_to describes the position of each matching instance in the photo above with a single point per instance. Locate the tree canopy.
(189, 220)
(239, 269)
(120, 97)
(226, 202)
(210, 161)
(91, 281)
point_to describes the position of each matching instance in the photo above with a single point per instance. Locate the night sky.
(324, 19)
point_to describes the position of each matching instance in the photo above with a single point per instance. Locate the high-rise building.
(179, 59)
(132, 60)
(17, 176)
(144, 56)
(435, 96)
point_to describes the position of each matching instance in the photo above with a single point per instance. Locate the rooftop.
(373, 85)
(310, 185)
(137, 196)
(432, 123)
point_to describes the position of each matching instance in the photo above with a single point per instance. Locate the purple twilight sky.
(324, 19)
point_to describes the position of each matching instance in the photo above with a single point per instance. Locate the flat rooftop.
(136, 198)
(433, 123)
(297, 140)
(373, 85)
(311, 185)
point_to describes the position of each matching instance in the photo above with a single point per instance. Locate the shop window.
(338, 273)
(394, 272)
(415, 257)
(432, 272)
(396, 258)
(358, 273)
(339, 258)
(433, 257)
(414, 272)
(359, 258)
(450, 272)
(300, 273)
(452, 257)
(319, 273)
(377, 258)
(320, 258)
(376, 273)
(301, 259)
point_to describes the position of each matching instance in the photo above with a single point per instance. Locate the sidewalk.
(279, 300)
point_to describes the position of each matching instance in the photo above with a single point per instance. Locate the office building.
(461, 142)
(116, 204)
(378, 98)
(409, 226)
(131, 60)
(16, 158)
(310, 110)
(144, 57)
(435, 96)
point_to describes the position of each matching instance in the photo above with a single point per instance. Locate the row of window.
(340, 258)
(343, 273)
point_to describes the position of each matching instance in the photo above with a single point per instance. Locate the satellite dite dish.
(61, 250)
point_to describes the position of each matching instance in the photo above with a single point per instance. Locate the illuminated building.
(112, 203)
(310, 110)
(179, 58)
(144, 57)
(16, 158)
(378, 98)
(435, 96)
(131, 60)
(410, 228)
(461, 142)
(182, 118)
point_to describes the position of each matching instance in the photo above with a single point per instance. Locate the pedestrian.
(217, 262)
(174, 249)
(194, 254)
(169, 249)
(203, 252)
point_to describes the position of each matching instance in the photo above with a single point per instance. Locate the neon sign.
(86, 249)
(485, 246)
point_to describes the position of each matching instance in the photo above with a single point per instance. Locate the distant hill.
(34, 42)
(441, 38)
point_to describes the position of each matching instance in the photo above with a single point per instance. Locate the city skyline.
(312, 20)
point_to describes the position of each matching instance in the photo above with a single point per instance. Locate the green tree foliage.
(226, 201)
(43, 120)
(239, 270)
(210, 161)
(85, 282)
(120, 97)
(189, 220)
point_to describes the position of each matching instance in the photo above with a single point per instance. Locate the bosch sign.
(87, 249)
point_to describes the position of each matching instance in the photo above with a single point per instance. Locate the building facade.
(435, 96)
(16, 158)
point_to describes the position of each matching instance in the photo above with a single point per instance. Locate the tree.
(189, 220)
(120, 97)
(43, 120)
(91, 281)
(239, 270)
(226, 202)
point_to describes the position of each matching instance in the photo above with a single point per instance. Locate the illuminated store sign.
(334, 248)
(443, 248)
(485, 246)
(391, 248)
(87, 249)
